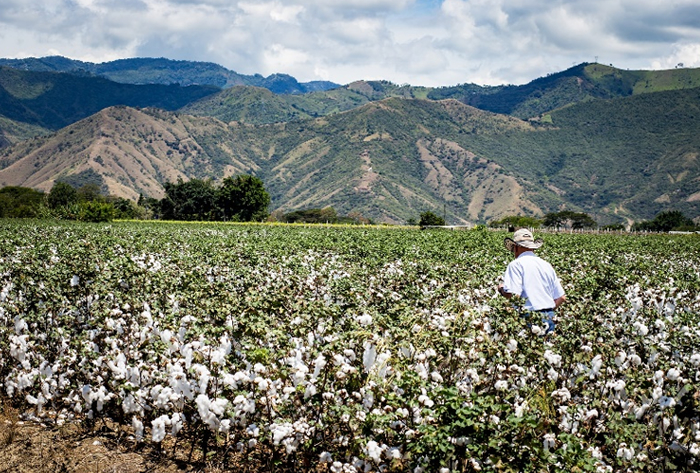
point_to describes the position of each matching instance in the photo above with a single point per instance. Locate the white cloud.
(422, 42)
(686, 54)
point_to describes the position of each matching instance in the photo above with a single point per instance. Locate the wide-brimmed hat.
(524, 238)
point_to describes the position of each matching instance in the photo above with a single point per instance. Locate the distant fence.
(592, 231)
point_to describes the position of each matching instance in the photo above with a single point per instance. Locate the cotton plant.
(286, 343)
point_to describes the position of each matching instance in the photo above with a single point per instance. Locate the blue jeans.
(547, 318)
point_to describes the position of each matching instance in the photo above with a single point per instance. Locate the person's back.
(532, 278)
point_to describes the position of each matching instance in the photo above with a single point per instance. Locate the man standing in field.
(531, 278)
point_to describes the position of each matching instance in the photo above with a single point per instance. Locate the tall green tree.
(89, 192)
(429, 219)
(243, 198)
(189, 200)
(665, 222)
(516, 221)
(569, 218)
(62, 194)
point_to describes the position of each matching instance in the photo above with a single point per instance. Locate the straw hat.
(522, 237)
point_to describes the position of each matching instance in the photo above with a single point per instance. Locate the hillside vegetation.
(139, 71)
(620, 145)
(582, 83)
(55, 100)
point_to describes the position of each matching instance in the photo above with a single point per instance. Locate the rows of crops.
(358, 349)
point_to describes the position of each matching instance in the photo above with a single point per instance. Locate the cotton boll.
(501, 385)
(310, 391)
(552, 358)
(436, 377)
(369, 356)
(520, 409)
(673, 374)
(20, 325)
(641, 329)
(635, 359)
(666, 402)
(596, 365)
(549, 441)
(138, 428)
(158, 428)
(624, 452)
(563, 394)
(695, 359)
(620, 358)
(425, 400)
(373, 450)
(176, 423)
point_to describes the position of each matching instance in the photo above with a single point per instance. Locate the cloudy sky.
(421, 42)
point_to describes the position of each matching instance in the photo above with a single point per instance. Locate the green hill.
(141, 71)
(581, 83)
(259, 106)
(252, 105)
(54, 100)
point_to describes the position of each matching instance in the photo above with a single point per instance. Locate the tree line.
(240, 198)
(670, 220)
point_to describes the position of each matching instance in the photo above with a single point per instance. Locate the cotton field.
(355, 349)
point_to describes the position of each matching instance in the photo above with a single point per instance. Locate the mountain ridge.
(142, 71)
(624, 148)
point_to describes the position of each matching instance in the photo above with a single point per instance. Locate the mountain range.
(619, 145)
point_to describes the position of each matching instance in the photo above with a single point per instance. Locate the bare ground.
(29, 447)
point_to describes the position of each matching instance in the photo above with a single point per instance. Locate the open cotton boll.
(673, 374)
(552, 358)
(138, 428)
(596, 365)
(501, 385)
(158, 428)
(281, 431)
(374, 451)
(369, 356)
(20, 325)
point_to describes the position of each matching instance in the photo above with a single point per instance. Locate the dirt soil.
(29, 447)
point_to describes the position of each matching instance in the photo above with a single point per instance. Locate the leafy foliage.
(567, 218)
(20, 202)
(194, 199)
(429, 218)
(240, 198)
(665, 222)
(512, 222)
(62, 194)
(243, 198)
